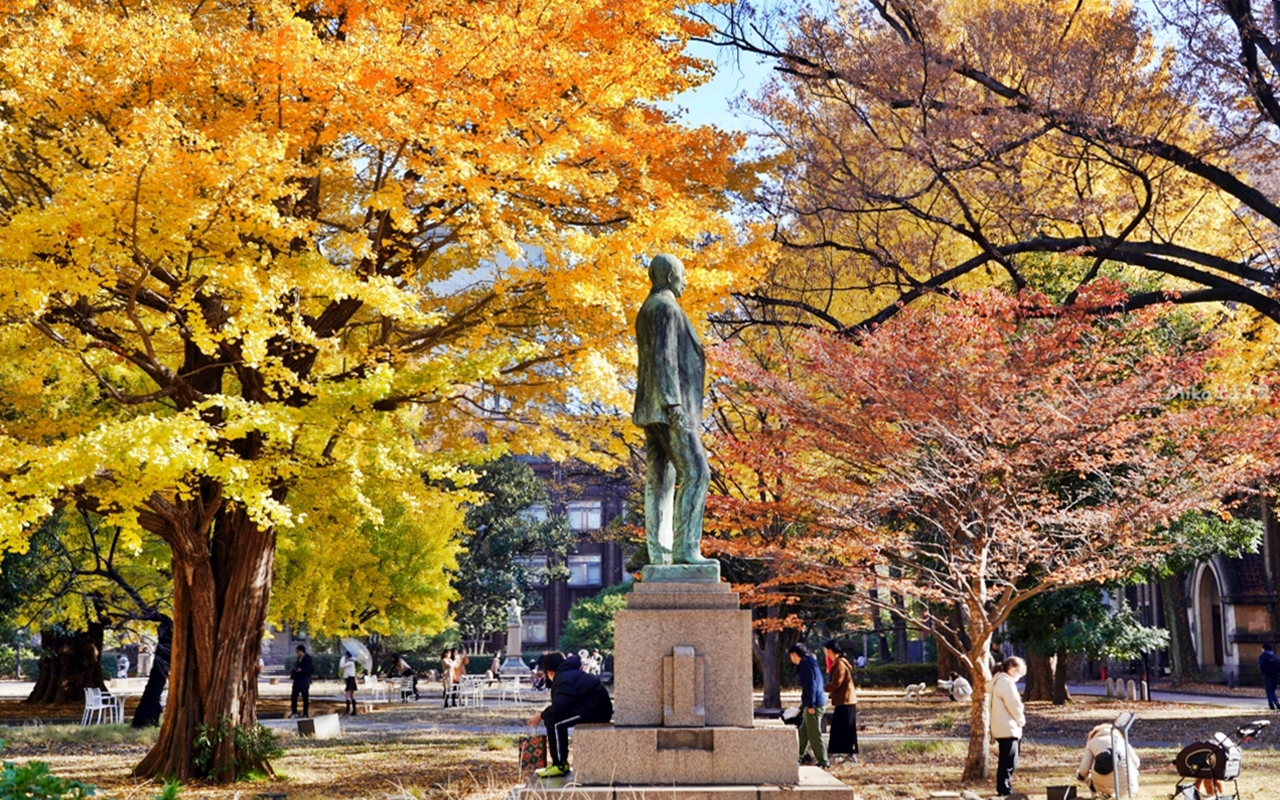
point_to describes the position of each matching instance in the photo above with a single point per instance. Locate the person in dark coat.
(813, 703)
(1269, 664)
(575, 697)
(301, 677)
(843, 743)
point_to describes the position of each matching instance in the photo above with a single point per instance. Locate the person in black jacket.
(1269, 664)
(575, 697)
(301, 675)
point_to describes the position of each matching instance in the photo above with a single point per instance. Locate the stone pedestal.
(698, 618)
(683, 727)
(514, 664)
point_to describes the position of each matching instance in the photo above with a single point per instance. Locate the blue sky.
(709, 104)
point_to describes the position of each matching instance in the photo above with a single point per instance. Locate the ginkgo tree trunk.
(274, 271)
(975, 454)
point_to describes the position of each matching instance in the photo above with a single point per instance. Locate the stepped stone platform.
(683, 725)
(812, 784)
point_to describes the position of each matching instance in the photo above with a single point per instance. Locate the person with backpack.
(1269, 665)
(1098, 762)
(576, 696)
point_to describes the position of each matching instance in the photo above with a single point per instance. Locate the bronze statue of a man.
(669, 408)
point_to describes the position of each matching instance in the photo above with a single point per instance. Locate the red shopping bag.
(533, 752)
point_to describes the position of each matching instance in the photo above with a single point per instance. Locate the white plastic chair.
(509, 688)
(471, 691)
(98, 704)
(375, 690)
(116, 703)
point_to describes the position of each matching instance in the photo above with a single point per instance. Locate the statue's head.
(666, 272)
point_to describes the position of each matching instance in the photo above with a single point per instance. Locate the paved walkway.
(1258, 703)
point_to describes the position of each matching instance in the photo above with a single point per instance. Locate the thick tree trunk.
(221, 585)
(1060, 694)
(148, 712)
(1182, 654)
(947, 660)
(766, 649)
(977, 760)
(1039, 681)
(900, 655)
(70, 662)
(877, 625)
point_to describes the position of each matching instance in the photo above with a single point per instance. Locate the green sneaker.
(553, 771)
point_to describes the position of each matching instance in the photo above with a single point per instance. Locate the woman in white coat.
(1007, 719)
(1100, 773)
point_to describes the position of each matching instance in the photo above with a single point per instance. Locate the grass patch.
(37, 733)
(932, 747)
(945, 721)
(500, 743)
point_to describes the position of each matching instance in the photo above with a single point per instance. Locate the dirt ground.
(421, 751)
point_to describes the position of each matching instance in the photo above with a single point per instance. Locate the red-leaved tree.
(974, 454)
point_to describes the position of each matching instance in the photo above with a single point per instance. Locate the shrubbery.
(33, 781)
(255, 747)
(325, 664)
(896, 676)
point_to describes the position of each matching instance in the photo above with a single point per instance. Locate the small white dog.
(915, 691)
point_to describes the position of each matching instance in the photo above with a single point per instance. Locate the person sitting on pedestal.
(575, 697)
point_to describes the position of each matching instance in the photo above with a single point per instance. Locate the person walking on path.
(347, 667)
(1007, 719)
(301, 677)
(812, 703)
(576, 696)
(1269, 664)
(843, 741)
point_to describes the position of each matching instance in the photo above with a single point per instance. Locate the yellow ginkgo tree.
(258, 250)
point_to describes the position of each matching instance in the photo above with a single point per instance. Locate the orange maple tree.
(973, 455)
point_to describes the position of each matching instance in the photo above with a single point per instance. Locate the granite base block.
(679, 595)
(608, 755)
(812, 784)
(644, 637)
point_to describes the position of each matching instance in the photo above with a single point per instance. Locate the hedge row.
(895, 676)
